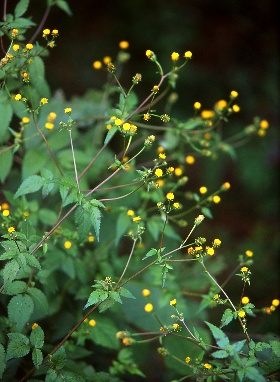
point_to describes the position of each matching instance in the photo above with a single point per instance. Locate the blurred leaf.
(6, 113)
(2, 360)
(21, 8)
(37, 357)
(6, 161)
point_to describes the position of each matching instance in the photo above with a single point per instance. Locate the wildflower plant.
(89, 229)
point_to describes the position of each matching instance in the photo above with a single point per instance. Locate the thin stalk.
(127, 263)
(74, 160)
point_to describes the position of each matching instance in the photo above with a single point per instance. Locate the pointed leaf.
(110, 134)
(21, 8)
(18, 346)
(95, 218)
(62, 4)
(227, 317)
(115, 296)
(32, 184)
(125, 293)
(220, 354)
(59, 358)
(220, 337)
(37, 338)
(20, 309)
(37, 357)
(10, 271)
(6, 112)
(40, 300)
(151, 252)
(95, 297)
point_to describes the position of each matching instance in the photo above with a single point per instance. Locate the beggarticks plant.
(111, 226)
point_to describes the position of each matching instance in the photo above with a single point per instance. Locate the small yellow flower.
(244, 269)
(245, 300)
(241, 313)
(173, 302)
(107, 60)
(188, 54)
(34, 326)
(146, 292)
(234, 94)
(14, 33)
(4, 206)
(92, 322)
(170, 196)
(188, 359)
(275, 302)
(130, 212)
(29, 46)
(210, 251)
(25, 120)
(136, 219)
(18, 97)
(162, 156)
(55, 32)
(97, 65)
(217, 242)
(207, 114)
(226, 185)
(170, 170)
(175, 56)
(207, 366)
(68, 110)
(6, 213)
(216, 297)
(51, 44)
(235, 108)
(46, 32)
(126, 126)
(203, 190)
(127, 341)
(118, 121)
(91, 238)
(124, 44)
(49, 125)
(15, 47)
(51, 116)
(178, 171)
(146, 116)
(176, 326)
(158, 172)
(11, 229)
(148, 307)
(264, 124)
(197, 105)
(216, 199)
(160, 182)
(249, 253)
(221, 104)
(155, 89)
(176, 205)
(67, 244)
(190, 159)
(149, 53)
(44, 101)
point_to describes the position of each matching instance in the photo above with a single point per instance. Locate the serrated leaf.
(83, 222)
(151, 252)
(32, 261)
(59, 358)
(37, 338)
(10, 271)
(40, 300)
(254, 375)
(21, 8)
(18, 346)
(16, 287)
(94, 216)
(125, 293)
(95, 297)
(220, 337)
(33, 162)
(220, 354)
(2, 360)
(227, 317)
(6, 112)
(115, 296)
(110, 134)
(236, 347)
(20, 309)
(37, 357)
(103, 334)
(64, 6)
(32, 184)
(106, 304)
(6, 161)
(275, 345)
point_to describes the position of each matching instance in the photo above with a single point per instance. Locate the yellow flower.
(11, 229)
(188, 54)
(15, 47)
(188, 359)
(221, 104)
(118, 121)
(155, 89)
(68, 110)
(241, 313)
(55, 32)
(29, 46)
(175, 56)
(207, 366)
(197, 105)
(162, 156)
(130, 212)
(91, 238)
(216, 199)
(210, 251)
(44, 101)
(178, 171)
(146, 116)
(234, 94)
(149, 53)
(92, 322)
(136, 219)
(275, 302)
(67, 244)
(25, 120)
(97, 65)
(51, 116)
(126, 126)
(245, 300)
(249, 253)
(14, 33)
(203, 190)
(34, 326)
(226, 185)
(127, 341)
(124, 44)
(264, 124)
(190, 159)
(46, 32)
(235, 108)
(170, 170)
(216, 297)
(4, 206)
(170, 196)
(107, 60)
(176, 205)
(49, 125)
(6, 213)
(148, 307)
(146, 292)
(173, 302)
(160, 182)
(176, 326)
(244, 269)
(18, 97)
(206, 114)
(158, 172)
(217, 242)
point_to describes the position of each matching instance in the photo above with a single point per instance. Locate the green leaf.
(254, 375)
(83, 222)
(32, 261)
(10, 271)
(275, 345)
(18, 346)
(40, 300)
(6, 161)
(227, 317)
(220, 337)
(16, 287)
(37, 76)
(32, 184)
(110, 134)
(115, 296)
(6, 112)
(59, 358)
(2, 360)
(122, 224)
(37, 357)
(206, 212)
(64, 6)
(151, 252)
(104, 334)
(20, 309)
(33, 162)
(47, 216)
(37, 338)
(220, 354)
(95, 297)
(21, 8)
(236, 347)
(125, 293)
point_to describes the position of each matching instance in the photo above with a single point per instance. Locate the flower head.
(55, 32)
(97, 64)
(234, 94)
(241, 313)
(245, 300)
(170, 196)
(175, 56)
(46, 32)
(124, 44)
(249, 253)
(44, 101)
(67, 244)
(16, 47)
(148, 307)
(150, 54)
(158, 172)
(68, 110)
(207, 366)
(92, 322)
(11, 229)
(29, 46)
(173, 302)
(197, 105)
(188, 54)
(146, 292)
(18, 97)
(190, 159)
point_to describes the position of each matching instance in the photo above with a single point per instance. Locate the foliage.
(94, 214)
